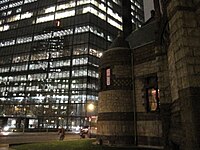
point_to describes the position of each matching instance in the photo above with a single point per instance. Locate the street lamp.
(90, 107)
(92, 118)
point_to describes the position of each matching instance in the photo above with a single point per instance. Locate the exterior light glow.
(90, 107)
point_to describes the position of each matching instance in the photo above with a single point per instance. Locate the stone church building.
(150, 81)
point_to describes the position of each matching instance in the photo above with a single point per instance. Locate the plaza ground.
(81, 144)
(44, 141)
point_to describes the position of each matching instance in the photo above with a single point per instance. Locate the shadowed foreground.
(82, 144)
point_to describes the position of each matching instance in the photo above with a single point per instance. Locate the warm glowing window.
(153, 99)
(108, 76)
(152, 94)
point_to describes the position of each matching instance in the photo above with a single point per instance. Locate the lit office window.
(7, 43)
(137, 4)
(19, 78)
(114, 15)
(20, 58)
(4, 7)
(65, 63)
(79, 72)
(39, 56)
(29, 1)
(95, 52)
(3, 14)
(102, 7)
(45, 18)
(92, 97)
(81, 29)
(87, 9)
(1, 28)
(4, 1)
(42, 36)
(80, 49)
(109, 38)
(66, 5)
(18, 10)
(17, 68)
(64, 14)
(94, 2)
(96, 31)
(37, 76)
(81, 2)
(92, 86)
(23, 40)
(102, 16)
(133, 21)
(15, 4)
(114, 23)
(61, 63)
(4, 69)
(50, 9)
(133, 8)
(13, 18)
(79, 61)
(26, 15)
(56, 54)
(93, 73)
(1, 21)
(55, 75)
(117, 2)
(63, 32)
(92, 10)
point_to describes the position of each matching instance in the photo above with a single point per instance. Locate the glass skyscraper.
(49, 56)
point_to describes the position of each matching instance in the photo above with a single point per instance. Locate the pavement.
(4, 146)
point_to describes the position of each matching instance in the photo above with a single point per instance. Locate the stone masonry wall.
(184, 66)
(165, 92)
(116, 110)
(149, 125)
(115, 101)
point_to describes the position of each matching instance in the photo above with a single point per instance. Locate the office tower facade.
(49, 58)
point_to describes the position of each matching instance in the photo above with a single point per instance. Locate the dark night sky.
(148, 6)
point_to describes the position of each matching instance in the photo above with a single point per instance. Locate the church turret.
(115, 116)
